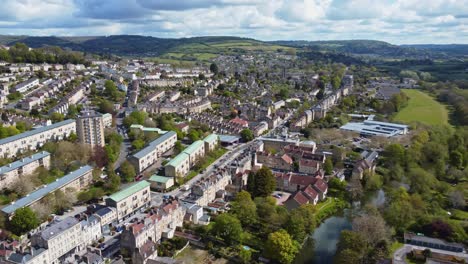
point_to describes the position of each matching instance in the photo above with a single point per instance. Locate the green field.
(206, 51)
(422, 108)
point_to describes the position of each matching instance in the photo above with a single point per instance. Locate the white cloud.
(396, 21)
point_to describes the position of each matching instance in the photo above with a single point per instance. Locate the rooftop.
(157, 178)
(152, 146)
(58, 227)
(193, 147)
(19, 163)
(35, 131)
(119, 196)
(177, 160)
(40, 193)
(211, 138)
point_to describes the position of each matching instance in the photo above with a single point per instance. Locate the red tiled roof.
(302, 179)
(239, 121)
(321, 185)
(300, 198)
(310, 192)
(287, 159)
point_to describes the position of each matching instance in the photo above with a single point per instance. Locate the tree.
(328, 166)
(244, 208)
(283, 93)
(138, 144)
(456, 159)
(128, 171)
(23, 221)
(245, 254)
(214, 68)
(296, 226)
(347, 256)
(34, 112)
(106, 106)
(281, 247)
(371, 227)
(264, 182)
(56, 117)
(320, 94)
(247, 135)
(228, 227)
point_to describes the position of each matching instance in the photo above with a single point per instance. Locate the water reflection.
(325, 238)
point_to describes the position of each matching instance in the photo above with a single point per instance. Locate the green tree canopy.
(23, 221)
(262, 183)
(281, 247)
(247, 135)
(244, 208)
(228, 227)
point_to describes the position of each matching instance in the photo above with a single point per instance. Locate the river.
(322, 247)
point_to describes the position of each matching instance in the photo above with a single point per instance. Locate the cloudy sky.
(395, 21)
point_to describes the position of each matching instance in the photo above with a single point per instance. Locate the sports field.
(422, 108)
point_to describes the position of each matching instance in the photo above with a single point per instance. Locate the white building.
(130, 199)
(35, 138)
(150, 154)
(25, 86)
(60, 238)
(14, 171)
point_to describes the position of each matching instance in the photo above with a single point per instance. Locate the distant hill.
(205, 48)
(453, 49)
(357, 47)
(124, 44)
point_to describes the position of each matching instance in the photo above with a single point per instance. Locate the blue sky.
(395, 21)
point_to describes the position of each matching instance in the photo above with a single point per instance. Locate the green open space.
(422, 108)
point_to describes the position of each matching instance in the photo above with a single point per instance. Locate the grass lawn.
(198, 256)
(207, 161)
(328, 207)
(396, 245)
(422, 108)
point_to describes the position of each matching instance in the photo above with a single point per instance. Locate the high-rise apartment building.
(90, 128)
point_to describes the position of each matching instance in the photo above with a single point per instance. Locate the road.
(126, 144)
(222, 162)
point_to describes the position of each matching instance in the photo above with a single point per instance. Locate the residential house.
(15, 171)
(130, 199)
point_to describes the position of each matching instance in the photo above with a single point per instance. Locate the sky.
(394, 21)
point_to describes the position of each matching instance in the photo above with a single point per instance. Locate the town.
(131, 160)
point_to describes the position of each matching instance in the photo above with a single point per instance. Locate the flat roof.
(371, 129)
(177, 160)
(35, 131)
(19, 163)
(145, 151)
(211, 138)
(372, 122)
(193, 147)
(119, 196)
(40, 193)
(58, 227)
(228, 138)
(158, 178)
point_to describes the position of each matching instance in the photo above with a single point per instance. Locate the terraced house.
(130, 199)
(150, 154)
(76, 180)
(14, 171)
(31, 140)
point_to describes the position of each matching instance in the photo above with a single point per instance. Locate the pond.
(322, 247)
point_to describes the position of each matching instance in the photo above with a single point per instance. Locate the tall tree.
(264, 182)
(228, 227)
(244, 208)
(23, 221)
(281, 247)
